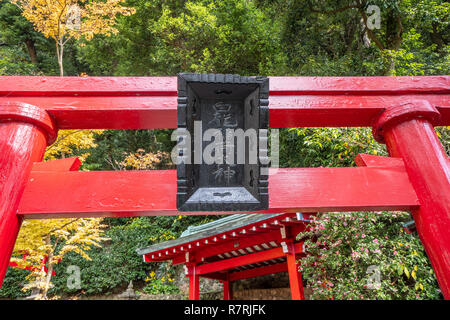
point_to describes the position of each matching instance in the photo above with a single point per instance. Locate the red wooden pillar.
(409, 134)
(227, 289)
(25, 131)
(295, 276)
(194, 282)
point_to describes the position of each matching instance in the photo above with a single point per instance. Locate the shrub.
(366, 256)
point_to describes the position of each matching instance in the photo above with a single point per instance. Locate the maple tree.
(43, 242)
(70, 140)
(63, 20)
(141, 160)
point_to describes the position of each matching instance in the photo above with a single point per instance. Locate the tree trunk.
(48, 277)
(350, 30)
(59, 54)
(436, 37)
(394, 32)
(31, 50)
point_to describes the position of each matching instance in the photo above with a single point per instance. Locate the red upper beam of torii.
(401, 110)
(151, 102)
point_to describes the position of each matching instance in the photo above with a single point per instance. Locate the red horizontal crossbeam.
(150, 102)
(258, 272)
(14, 264)
(29, 268)
(249, 273)
(138, 193)
(61, 165)
(368, 160)
(245, 259)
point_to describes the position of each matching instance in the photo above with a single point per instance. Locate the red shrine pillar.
(295, 276)
(408, 132)
(194, 282)
(25, 131)
(227, 289)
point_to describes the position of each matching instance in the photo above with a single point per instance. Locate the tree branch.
(370, 33)
(65, 136)
(64, 225)
(359, 5)
(352, 6)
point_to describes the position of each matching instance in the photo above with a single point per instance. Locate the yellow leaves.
(166, 237)
(402, 269)
(141, 160)
(68, 140)
(406, 271)
(38, 240)
(75, 233)
(51, 17)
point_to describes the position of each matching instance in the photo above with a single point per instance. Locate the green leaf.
(400, 270)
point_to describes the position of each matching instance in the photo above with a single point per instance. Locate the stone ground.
(246, 294)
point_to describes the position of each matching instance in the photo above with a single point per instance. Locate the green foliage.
(162, 283)
(117, 263)
(14, 62)
(444, 135)
(160, 287)
(13, 283)
(114, 145)
(231, 36)
(326, 147)
(347, 249)
(328, 38)
(228, 36)
(112, 266)
(323, 44)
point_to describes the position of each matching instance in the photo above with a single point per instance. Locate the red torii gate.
(401, 110)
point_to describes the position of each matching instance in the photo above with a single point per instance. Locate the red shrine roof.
(236, 243)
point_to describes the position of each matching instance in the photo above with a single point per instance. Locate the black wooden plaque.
(223, 103)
